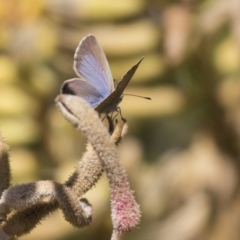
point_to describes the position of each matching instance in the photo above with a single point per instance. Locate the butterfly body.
(95, 83)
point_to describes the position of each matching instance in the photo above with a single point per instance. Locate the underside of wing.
(126, 79)
(91, 64)
(83, 89)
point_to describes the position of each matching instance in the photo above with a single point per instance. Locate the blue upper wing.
(90, 63)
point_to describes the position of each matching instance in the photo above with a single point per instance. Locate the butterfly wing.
(127, 77)
(80, 87)
(90, 63)
(110, 103)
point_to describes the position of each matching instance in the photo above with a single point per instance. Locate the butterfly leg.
(120, 112)
(113, 117)
(110, 124)
(104, 117)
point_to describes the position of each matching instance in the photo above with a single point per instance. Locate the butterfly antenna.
(148, 98)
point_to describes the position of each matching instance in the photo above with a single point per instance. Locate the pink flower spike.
(125, 211)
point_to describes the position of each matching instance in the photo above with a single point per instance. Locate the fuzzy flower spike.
(125, 210)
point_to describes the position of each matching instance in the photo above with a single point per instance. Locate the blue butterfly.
(95, 83)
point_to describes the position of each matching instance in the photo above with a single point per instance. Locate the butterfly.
(95, 83)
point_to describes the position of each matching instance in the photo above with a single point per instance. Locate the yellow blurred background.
(182, 152)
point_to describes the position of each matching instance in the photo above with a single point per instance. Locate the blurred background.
(182, 152)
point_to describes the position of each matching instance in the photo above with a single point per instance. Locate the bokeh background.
(182, 152)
